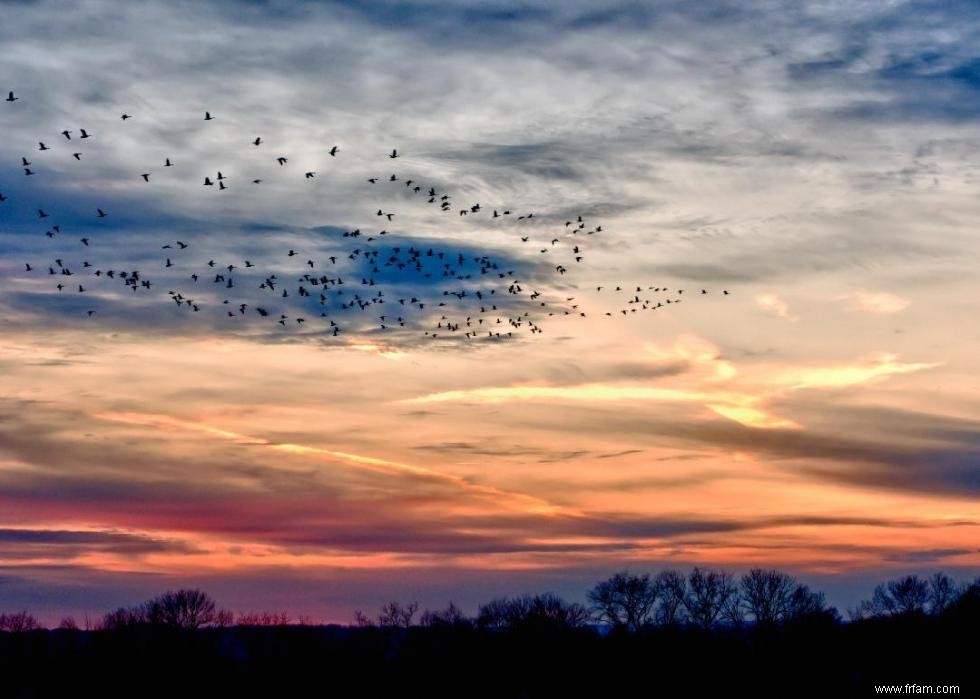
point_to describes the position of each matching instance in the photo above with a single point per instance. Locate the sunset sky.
(820, 161)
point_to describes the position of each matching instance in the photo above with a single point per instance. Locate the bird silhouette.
(465, 285)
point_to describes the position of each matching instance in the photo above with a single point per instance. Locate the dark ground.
(815, 656)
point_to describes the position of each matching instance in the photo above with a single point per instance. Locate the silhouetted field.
(538, 646)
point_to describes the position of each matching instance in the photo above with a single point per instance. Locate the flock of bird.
(365, 286)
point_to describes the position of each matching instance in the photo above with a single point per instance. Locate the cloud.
(38, 545)
(753, 417)
(771, 303)
(874, 302)
(875, 367)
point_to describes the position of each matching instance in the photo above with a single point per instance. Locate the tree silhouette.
(257, 619)
(805, 602)
(19, 622)
(767, 594)
(121, 618)
(499, 613)
(396, 614)
(671, 591)
(181, 609)
(906, 595)
(362, 620)
(708, 595)
(942, 592)
(450, 616)
(545, 610)
(624, 600)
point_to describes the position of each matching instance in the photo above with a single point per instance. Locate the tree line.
(702, 598)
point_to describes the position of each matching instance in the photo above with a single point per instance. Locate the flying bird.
(410, 260)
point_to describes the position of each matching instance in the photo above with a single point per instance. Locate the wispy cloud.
(878, 366)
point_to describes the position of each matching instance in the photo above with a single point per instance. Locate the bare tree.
(396, 614)
(942, 592)
(249, 619)
(671, 590)
(259, 619)
(733, 611)
(450, 616)
(497, 613)
(224, 617)
(274, 618)
(121, 618)
(805, 602)
(361, 619)
(906, 595)
(767, 595)
(527, 610)
(68, 623)
(624, 600)
(19, 622)
(553, 609)
(182, 609)
(709, 594)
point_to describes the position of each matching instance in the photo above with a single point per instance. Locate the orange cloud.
(877, 366)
